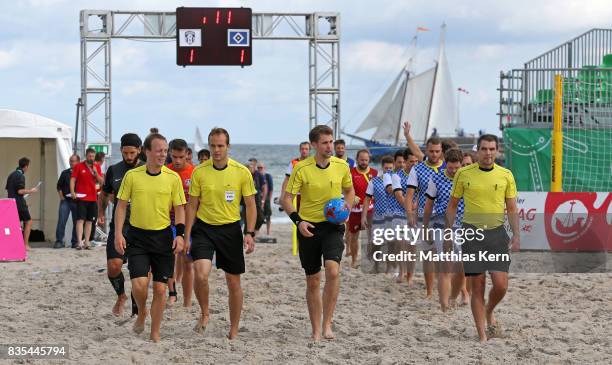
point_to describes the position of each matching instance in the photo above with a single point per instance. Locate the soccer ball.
(335, 211)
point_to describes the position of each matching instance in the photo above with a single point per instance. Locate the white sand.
(60, 296)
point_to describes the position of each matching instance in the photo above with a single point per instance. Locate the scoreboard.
(213, 36)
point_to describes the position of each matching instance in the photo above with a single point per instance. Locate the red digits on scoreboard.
(220, 33)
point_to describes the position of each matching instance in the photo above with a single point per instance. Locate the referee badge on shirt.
(230, 195)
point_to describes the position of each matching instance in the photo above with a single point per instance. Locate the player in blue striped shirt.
(438, 196)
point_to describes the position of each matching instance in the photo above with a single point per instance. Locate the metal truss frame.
(99, 27)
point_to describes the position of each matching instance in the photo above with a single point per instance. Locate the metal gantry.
(99, 27)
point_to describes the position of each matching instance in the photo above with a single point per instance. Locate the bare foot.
(171, 300)
(429, 295)
(494, 330)
(155, 337)
(139, 325)
(232, 336)
(187, 304)
(355, 265)
(328, 334)
(316, 337)
(200, 326)
(28, 248)
(118, 307)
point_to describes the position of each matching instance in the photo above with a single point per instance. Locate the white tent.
(48, 145)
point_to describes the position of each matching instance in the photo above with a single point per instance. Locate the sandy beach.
(63, 297)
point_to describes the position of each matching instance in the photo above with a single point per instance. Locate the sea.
(275, 157)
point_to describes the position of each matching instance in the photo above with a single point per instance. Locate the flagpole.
(414, 43)
(459, 91)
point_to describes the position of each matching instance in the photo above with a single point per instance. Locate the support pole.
(556, 183)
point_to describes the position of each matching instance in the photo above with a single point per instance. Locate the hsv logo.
(578, 221)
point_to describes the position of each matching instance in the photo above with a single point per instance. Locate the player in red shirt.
(83, 182)
(183, 266)
(361, 174)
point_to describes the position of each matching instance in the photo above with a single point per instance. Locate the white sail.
(379, 112)
(443, 115)
(198, 143)
(426, 100)
(417, 102)
(388, 126)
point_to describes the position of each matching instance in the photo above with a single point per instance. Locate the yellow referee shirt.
(484, 193)
(220, 191)
(317, 185)
(151, 196)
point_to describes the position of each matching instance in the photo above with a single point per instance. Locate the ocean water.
(275, 157)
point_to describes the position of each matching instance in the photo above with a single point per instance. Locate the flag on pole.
(422, 29)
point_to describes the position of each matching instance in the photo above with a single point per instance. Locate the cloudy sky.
(268, 102)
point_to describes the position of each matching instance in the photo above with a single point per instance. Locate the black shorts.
(24, 215)
(150, 251)
(111, 252)
(225, 240)
(491, 254)
(328, 242)
(87, 211)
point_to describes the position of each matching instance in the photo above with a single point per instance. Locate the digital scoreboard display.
(213, 36)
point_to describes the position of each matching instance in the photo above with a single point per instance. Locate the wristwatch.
(251, 233)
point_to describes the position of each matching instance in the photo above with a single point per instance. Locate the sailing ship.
(426, 100)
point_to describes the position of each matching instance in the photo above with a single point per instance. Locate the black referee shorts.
(491, 254)
(327, 242)
(225, 240)
(150, 251)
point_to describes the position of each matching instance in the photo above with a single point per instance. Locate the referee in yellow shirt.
(213, 224)
(318, 179)
(487, 190)
(151, 190)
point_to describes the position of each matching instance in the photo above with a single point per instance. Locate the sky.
(267, 103)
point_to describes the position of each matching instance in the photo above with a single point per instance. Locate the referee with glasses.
(487, 190)
(318, 179)
(151, 190)
(213, 225)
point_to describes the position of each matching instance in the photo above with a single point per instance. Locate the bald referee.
(487, 190)
(213, 225)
